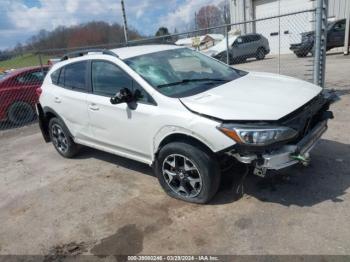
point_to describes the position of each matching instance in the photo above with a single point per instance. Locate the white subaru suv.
(187, 115)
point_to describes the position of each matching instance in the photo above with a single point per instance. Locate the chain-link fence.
(283, 44)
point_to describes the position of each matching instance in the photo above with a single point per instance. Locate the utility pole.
(279, 38)
(195, 21)
(125, 22)
(320, 42)
(347, 29)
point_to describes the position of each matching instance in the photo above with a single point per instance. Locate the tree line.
(88, 34)
(101, 33)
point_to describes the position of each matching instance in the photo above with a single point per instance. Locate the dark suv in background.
(244, 47)
(335, 38)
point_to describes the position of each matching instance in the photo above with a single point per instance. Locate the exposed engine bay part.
(260, 171)
(303, 159)
(285, 156)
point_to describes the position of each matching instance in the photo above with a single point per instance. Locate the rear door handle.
(57, 100)
(94, 107)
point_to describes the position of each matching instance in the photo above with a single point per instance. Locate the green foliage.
(162, 31)
(28, 59)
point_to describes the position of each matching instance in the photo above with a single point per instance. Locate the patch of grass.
(23, 61)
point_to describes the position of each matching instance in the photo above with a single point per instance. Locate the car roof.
(25, 69)
(249, 34)
(18, 71)
(133, 51)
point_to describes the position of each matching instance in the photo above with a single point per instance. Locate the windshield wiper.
(184, 81)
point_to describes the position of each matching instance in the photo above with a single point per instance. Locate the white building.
(281, 32)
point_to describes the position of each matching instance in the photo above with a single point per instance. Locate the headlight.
(258, 136)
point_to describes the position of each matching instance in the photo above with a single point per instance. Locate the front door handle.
(57, 100)
(94, 107)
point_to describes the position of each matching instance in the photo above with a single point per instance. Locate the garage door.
(290, 26)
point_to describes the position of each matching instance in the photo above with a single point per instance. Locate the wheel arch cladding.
(49, 113)
(181, 137)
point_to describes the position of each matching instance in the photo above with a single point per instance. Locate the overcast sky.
(19, 19)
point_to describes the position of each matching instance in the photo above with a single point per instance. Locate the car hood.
(221, 46)
(308, 33)
(255, 96)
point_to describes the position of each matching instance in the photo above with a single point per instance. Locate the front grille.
(307, 117)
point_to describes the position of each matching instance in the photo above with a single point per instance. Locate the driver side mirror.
(123, 96)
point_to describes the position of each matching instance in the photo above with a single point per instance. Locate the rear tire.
(61, 138)
(187, 172)
(260, 54)
(20, 113)
(301, 54)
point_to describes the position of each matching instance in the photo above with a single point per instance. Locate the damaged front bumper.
(287, 155)
(311, 121)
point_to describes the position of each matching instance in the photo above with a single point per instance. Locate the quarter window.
(54, 76)
(108, 79)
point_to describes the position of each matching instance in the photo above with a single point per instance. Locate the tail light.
(38, 91)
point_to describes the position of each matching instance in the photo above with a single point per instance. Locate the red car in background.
(18, 94)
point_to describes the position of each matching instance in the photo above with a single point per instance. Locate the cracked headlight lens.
(259, 136)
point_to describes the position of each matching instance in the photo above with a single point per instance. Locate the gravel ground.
(104, 205)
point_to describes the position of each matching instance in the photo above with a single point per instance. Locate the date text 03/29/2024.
(173, 258)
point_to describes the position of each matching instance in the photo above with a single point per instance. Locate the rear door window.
(73, 76)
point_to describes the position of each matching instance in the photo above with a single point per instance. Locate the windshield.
(5, 74)
(329, 26)
(181, 72)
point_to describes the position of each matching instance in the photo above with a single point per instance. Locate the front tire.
(61, 139)
(187, 172)
(260, 54)
(223, 57)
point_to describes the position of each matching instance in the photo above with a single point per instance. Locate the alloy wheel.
(182, 175)
(59, 138)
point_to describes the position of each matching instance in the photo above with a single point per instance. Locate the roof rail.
(87, 51)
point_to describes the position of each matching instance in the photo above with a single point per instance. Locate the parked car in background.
(202, 42)
(241, 48)
(185, 114)
(53, 61)
(335, 38)
(18, 94)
